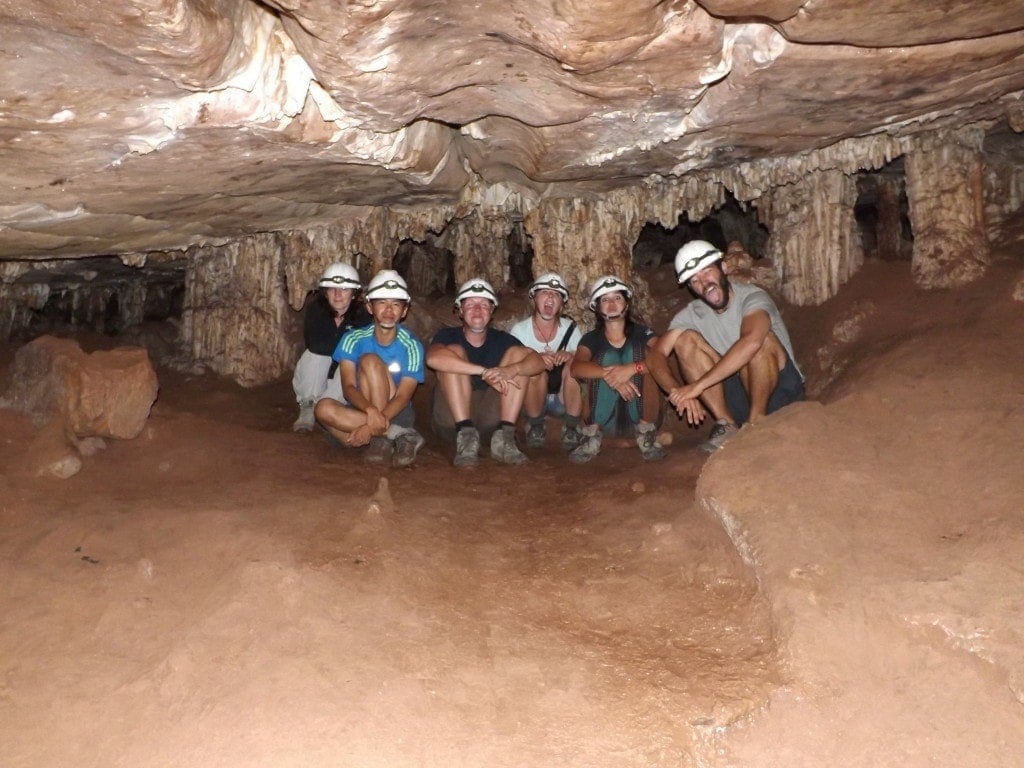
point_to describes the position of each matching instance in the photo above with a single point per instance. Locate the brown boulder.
(107, 393)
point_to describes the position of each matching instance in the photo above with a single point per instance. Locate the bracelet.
(641, 369)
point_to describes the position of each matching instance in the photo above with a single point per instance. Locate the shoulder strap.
(565, 337)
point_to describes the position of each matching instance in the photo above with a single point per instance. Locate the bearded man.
(732, 346)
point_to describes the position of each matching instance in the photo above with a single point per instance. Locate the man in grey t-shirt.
(732, 347)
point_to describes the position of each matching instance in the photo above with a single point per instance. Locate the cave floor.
(223, 592)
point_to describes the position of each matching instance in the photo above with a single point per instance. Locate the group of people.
(361, 367)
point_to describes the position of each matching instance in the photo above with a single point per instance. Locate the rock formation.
(291, 135)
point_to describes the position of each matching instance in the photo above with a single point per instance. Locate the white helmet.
(607, 284)
(693, 257)
(340, 275)
(550, 281)
(387, 284)
(476, 288)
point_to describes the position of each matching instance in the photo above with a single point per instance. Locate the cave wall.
(243, 299)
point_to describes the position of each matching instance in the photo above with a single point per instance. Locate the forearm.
(443, 360)
(657, 366)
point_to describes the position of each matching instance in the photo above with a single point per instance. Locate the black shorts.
(555, 379)
(789, 389)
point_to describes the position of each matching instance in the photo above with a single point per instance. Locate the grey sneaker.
(378, 451)
(721, 432)
(536, 434)
(589, 447)
(306, 420)
(467, 447)
(647, 442)
(571, 436)
(504, 448)
(406, 446)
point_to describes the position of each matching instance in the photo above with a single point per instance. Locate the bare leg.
(456, 388)
(651, 400)
(571, 394)
(512, 400)
(376, 385)
(761, 375)
(697, 357)
(536, 393)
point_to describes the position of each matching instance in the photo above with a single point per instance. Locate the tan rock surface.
(185, 122)
(107, 393)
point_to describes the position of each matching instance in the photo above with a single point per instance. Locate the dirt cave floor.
(841, 585)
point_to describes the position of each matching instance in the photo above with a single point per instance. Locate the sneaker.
(467, 447)
(306, 420)
(536, 434)
(647, 442)
(721, 432)
(571, 436)
(589, 447)
(504, 448)
(406, 446)
(378, 451)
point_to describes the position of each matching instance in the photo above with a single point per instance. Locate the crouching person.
(481, 377)
(555, 338)
(621, 368)
(380, 367)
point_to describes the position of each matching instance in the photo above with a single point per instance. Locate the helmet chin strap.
(616, 316)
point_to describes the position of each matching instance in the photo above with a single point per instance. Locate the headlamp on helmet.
(608, 284)
(550, 281)
(340, 275)
(477, 288)
(693, 257)
(387, 284)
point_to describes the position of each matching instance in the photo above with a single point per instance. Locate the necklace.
(549, 339)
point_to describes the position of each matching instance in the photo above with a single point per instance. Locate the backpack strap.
(565, 338)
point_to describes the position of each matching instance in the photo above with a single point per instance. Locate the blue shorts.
(789, 389)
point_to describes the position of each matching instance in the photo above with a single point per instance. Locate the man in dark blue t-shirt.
(481, 377)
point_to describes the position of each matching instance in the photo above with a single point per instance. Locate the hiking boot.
(467, 447)
(536, 434)
(721, 432)
(378, 451)
(647, 442)
(571, 436)
(589, 446)
(504, 448)
(307, 419)
(406, 446)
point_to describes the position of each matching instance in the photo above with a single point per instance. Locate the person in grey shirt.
(732, 347)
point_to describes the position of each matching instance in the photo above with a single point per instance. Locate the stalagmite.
(945, 188)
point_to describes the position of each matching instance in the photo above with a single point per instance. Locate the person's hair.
(630, 320)
(352, 314)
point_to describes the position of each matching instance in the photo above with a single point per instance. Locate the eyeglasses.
(692, 263)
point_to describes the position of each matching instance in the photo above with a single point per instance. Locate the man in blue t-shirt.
(481, 375)
(732, 347)
(380, 367)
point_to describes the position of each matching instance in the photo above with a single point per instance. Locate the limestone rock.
(102, 394)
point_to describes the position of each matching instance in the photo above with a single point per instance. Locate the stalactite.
(946, 192)
(815, 242)
(236, 318)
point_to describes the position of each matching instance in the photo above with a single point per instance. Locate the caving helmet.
(340, 275)
(476, 288)
(607, 284)
(693, 257)
(387, 284)
(550, 281)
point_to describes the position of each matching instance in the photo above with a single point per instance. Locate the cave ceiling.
(156, 124)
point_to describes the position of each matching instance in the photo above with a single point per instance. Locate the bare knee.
(688, 343)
